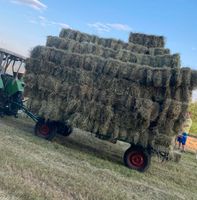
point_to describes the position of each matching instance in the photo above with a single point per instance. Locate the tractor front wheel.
(46, 130)
(138, 158)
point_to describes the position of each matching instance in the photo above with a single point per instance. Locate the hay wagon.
(134, 92)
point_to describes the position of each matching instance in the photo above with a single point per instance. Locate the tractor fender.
(1, 83)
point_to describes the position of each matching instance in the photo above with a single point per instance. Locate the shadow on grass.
(100, 149)
(85, 143)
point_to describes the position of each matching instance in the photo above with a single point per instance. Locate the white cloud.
(120, 27)
(107, 27)
(42, 18)
(100, 27)
(33, 21)
(43, 21)
(62, 25)
(35, 4)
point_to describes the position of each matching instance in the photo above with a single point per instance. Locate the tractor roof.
(12, 55)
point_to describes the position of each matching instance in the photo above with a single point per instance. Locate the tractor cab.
(12, 69)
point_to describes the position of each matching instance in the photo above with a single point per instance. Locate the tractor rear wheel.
(46, 130)
(138, 158)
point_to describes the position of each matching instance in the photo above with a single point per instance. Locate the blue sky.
(26, 23)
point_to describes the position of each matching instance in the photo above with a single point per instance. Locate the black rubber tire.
(45, 130)
(137, 158)
(64, 129)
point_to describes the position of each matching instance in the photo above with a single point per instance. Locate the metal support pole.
(1, 62)
(7, 64)
(13, 66)
(19, 68)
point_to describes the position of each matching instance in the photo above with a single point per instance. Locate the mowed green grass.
(83, 167)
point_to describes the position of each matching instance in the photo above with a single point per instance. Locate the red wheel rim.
(44, 129)
(136, 159)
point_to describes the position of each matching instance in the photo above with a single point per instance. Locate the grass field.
(83, 167)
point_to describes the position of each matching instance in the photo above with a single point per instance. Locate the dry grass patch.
(83, 167)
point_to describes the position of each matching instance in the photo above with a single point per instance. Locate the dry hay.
(111, 43)
(150, 41)
(143, 74)
(176, 156)
(70, 45)
(119, 100)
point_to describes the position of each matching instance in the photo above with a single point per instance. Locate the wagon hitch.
(163, 155)
(26, 111)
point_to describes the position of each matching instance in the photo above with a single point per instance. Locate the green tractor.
(11, 82)
(11, 96)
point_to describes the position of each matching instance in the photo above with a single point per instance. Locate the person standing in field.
(178, 139)
(182, 139)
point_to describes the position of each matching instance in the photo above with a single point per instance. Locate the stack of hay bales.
(135, 91)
